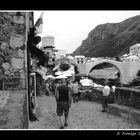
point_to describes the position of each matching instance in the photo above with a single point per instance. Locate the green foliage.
(76, 69)
(135, 82)
(138, 74)
(64, 66)
(95, 96)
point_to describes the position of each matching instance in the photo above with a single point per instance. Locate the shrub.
(135, 82)
(94, 96)
(138, 74)
(64, 66)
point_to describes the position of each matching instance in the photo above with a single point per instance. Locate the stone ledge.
(129, 113)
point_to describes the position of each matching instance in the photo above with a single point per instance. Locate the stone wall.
(94, 96)
(127, 97)
(13, 110)
(12, 46)
(13, 88)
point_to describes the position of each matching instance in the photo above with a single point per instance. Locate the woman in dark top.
(63, 99)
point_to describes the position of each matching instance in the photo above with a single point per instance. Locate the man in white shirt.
(105, 95)
(106, 90)
(75, 91)
(112, 93)
(113, 89)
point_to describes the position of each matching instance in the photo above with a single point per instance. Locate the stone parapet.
(128, 113)
(128, 97)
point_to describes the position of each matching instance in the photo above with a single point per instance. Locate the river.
(104, 73)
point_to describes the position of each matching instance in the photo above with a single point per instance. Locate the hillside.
(111, 39)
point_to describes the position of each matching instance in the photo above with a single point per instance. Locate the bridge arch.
(117, 64)
(93, 68)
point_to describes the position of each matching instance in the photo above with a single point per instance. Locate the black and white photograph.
(70, 70)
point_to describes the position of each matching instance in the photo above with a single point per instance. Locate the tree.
(138, 74)
(118, 58)
(64, 66)
(135, 82)
(76, 69)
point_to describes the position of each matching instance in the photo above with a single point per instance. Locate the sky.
(70, 28)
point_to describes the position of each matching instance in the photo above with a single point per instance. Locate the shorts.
(62, 107)
(75, 95)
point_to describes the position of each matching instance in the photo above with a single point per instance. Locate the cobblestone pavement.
(83, 115)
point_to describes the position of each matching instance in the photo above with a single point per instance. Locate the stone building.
(131, 66)
(14, 27)
(60, 54)
(80, 59)
(48, 41)
(49, 49)
(135, 49)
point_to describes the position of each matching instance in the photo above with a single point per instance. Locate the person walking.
(53, 87)
(63, 100)
(105, 96)
(113, 88)
(47, 89)
(79, 91)
(75, 91)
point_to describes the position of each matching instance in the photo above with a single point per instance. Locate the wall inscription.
(11, 83)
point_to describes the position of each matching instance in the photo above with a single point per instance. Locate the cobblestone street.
(83, 115)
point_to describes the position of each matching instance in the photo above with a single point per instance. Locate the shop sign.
(11, 83)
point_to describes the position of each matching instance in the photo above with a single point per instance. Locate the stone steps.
(129, 113)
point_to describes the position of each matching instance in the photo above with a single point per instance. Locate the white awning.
(42, 73)
(58, 73)
(43, 69)
(69, 71)
(61, 77)
(86, 82)
(45, 77)
(67, 74)
(56, 67)
(50, 76)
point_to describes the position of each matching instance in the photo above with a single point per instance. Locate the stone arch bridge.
(85, 68)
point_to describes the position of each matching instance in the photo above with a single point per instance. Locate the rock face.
(111, 39)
